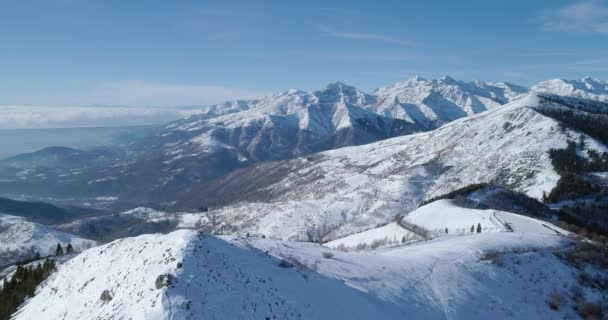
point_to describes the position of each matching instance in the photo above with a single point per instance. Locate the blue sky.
(166, 53)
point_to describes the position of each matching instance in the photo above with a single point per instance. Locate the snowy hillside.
(21, 239)
(585, 88)
(343, 191)
(185, 275)
(391, 234)
(442, 214)
(449, 277)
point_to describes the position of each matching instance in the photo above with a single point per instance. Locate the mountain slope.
(436, 102)
(233, 135)
(21, 239)
(346, 190)
(185, 275)
(451, 277)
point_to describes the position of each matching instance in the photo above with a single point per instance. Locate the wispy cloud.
(364, 36)
(116, 103)
(143, 93)
(589, 16)
(27, 117)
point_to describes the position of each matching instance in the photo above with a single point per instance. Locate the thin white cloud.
(364, 36)
(28, 117)
(116, 103)
(142, 93)
(590, 16)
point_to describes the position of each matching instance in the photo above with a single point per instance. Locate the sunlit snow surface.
(348, 190)
(244, 278)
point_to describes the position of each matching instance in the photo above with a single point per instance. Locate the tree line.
(22, 285)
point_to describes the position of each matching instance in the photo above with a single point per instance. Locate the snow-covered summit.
(436, 102)
(585, 88)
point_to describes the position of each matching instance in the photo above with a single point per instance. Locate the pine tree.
(37, 255)
(70, 249)
(59, 250)
(479, 228)
(472, 228)
(22, 285)
(446, 230)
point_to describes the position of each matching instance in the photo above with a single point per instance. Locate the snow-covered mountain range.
(233, 135)
(585, 88)
(337, 192)
(421, 199)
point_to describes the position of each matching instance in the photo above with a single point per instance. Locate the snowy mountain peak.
(339, 87)
(435, 102)
(585, 88)
(290, 92)
(417, 78)
(449, 80)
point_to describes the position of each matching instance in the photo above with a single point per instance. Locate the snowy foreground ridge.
(187, 275)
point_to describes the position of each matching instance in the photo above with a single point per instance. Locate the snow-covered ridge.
(295, 122)
(21, 239)
(185, 275)
(440, 101)
(585, 88)
(347, 190)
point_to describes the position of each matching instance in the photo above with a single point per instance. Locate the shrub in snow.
(495, 257)
(290, 262)
(421, 231)
(163, 280)
(589, 310)
(555, 300)
(327, 255)
(106, 296)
